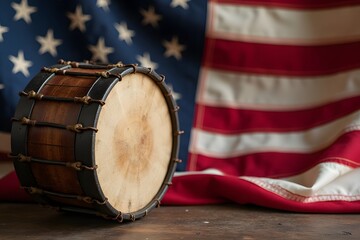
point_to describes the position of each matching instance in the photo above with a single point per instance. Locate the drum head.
(133, 144)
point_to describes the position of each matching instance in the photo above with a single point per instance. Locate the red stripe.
(281, 59)
(279, 164)
(270, 59)
(9, 185)
(233, 121)
(10, 189)
(302, 4)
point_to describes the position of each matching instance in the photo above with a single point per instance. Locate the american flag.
(269, 90)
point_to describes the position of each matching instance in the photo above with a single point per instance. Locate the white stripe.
(324, 182)
(209, 171)
(253, 91)
(327, 181)
(224, 146)
(283, 26)
(5, 142)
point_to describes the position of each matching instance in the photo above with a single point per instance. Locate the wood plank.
(184, 222)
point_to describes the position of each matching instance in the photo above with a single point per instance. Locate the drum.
(98, 139)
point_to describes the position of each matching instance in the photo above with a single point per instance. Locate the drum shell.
(79, 184)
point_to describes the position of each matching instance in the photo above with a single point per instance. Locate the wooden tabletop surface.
(30, 221)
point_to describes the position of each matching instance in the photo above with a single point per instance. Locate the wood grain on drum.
(133, 143)
(58, 144)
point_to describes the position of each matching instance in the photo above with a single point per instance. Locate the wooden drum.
(98, 139)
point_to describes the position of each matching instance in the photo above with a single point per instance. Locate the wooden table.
(30, 221)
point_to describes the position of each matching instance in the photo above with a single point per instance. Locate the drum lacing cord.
(94, 65)
(177, 160)
(157, 203)
(54, 70)
(90, 64)
(37, 96)
(79, 166)
(78, 127)
(32, 95)
(119, 217)
(21, 158)
(159, 81)
(133, 66)
(75, 165)
(91, 200)
(86, 199)
(162, 79)
(118, 65)
(179, 132)
(24, 121)
(71, 63)
(176, 109)
(132, 217)
(104, 74)
(88, 100)
(33, 190)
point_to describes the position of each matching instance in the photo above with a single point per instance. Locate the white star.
(181, 3)
(100, 51)
(3, 29)
(78, 19)
(173, 48)
(104, 4)
(175, 95)
(150, 17)
(23, 11)
(124, 33)
(145, 61)
(20, 64)
(48, 43)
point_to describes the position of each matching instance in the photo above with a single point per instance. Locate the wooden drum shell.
(64, 187)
